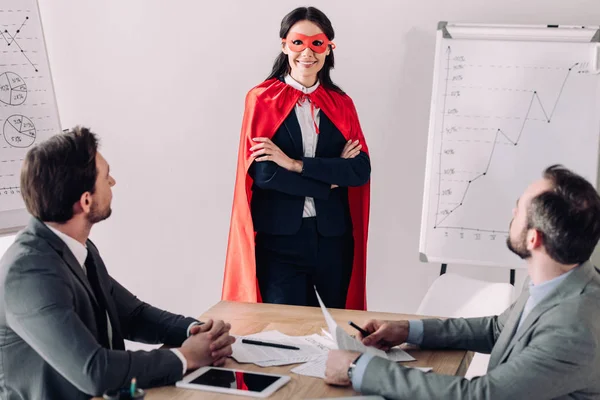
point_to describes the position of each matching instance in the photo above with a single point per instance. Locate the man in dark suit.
(63, 319)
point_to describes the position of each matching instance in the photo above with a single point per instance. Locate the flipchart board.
(28, 111)
(507, 102)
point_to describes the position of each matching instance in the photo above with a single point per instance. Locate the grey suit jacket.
(49, 338)
(554, 355)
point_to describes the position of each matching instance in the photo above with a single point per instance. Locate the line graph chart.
(548, 116)
(501, 113)
(11, 39)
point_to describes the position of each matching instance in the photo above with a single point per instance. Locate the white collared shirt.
(80, 252)
(309, 133)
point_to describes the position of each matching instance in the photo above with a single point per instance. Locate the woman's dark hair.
(281, 65)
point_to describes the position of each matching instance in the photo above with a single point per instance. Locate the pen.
(277, 345)
(132, 388)
(358, 328)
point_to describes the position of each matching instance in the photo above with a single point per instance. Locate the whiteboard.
(504, 107)
(28, 112)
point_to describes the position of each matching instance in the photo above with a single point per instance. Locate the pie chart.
(19, 131)
(13, 90)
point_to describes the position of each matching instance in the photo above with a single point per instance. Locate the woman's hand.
(266, 150)
(351, 149)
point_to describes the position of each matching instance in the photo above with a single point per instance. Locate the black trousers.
(289, 266)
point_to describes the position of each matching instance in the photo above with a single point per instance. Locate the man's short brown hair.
(57, 172)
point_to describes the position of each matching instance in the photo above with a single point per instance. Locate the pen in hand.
(358, 328)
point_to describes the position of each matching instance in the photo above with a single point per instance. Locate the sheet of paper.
(424, 369)
(342, 339)
(397, 354)
(314, 368)
(331, 324)
(310, 347)
(327, 334)
(318, 341)
(322, 342)
(288, 361)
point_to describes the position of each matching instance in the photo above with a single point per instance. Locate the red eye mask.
(297, 42)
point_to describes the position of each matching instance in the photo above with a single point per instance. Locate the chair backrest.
(455, 296)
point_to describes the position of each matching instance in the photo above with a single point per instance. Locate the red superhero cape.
(267, 106)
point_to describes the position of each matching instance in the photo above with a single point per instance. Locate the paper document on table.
(394, 354)
(323, 343)
(326, 334)
(310, 347)
(287, 361)
(342, 339)
(314, 368)
(398, 355)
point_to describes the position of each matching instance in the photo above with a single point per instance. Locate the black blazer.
(278, 194)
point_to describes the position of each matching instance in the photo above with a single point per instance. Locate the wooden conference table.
(247, 318)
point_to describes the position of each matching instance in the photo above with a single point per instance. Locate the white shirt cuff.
(190, 327)
(182, 358)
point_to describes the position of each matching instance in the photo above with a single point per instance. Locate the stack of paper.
(394, 354)
(312, 351)
(316, 368)
(311, 347)
(344, 341)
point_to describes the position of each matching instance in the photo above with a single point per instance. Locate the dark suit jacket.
(278, 194)
(49, 337)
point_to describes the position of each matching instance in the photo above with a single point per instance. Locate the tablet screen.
(239, 380)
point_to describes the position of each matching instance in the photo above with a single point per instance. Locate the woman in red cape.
(300, 212)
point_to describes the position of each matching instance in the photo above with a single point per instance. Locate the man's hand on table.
(208, 344)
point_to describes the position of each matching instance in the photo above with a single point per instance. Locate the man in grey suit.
(63, 319)
(545, 346)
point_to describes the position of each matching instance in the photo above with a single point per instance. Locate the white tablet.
(233, 381)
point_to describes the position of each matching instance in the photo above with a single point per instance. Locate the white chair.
(455, 296)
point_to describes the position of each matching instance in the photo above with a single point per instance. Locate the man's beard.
(519, 247)
(97, 215)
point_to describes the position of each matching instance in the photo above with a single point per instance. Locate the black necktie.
(101, 315)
